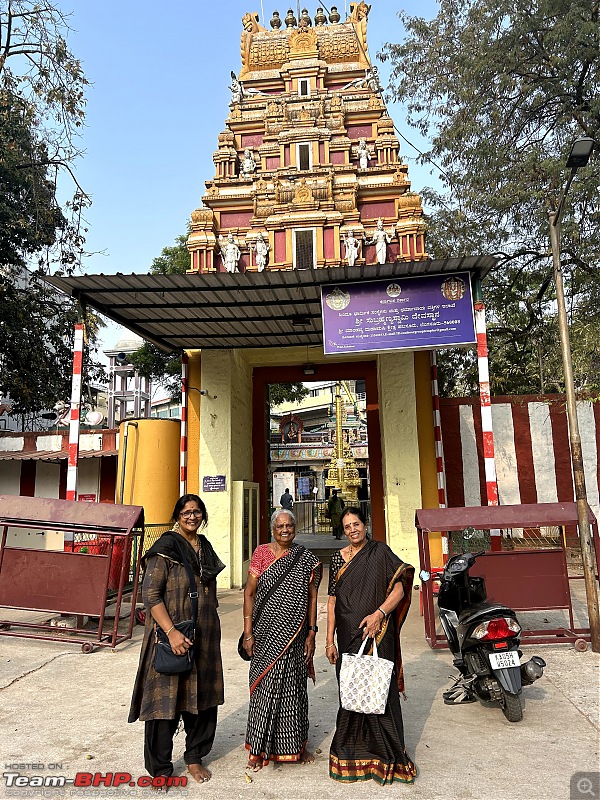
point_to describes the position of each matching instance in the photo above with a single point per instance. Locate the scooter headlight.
(495, 629)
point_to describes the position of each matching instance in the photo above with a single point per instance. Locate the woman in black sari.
(369, 595)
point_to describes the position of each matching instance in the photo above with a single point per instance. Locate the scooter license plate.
(510, 658)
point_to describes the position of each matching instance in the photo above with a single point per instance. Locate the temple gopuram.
(308, 262)
(307, 168)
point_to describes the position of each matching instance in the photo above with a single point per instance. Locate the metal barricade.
(99, 540)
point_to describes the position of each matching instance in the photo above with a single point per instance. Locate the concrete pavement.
(64, 712)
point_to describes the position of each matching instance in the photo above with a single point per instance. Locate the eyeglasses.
(188, 514)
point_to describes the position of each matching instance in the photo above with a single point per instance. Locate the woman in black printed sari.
(280, 623)
(369, 595)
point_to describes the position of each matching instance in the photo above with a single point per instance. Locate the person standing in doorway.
(286, 501)
(335, 506)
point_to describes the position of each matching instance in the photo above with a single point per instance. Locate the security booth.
(62, 557)
(522, 575)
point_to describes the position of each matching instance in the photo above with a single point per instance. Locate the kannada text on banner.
(394, 314)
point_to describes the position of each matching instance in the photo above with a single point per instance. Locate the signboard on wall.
(412, 313)
(214, 483)
(281, 482)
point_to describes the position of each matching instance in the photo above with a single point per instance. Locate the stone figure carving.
(237, 90)
(359, 11)
(363, 153)
(248, 165)
(230, 253)
(250, 23)
(372, 80)
(261, 248)
(352, 246)
(381, 239)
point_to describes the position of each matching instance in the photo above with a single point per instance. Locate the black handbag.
(165, 660)
(243, 654)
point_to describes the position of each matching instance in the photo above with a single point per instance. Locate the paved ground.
(67, 711)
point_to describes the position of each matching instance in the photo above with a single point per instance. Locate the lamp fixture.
(309, 369)
(202, 392)
(581, 150)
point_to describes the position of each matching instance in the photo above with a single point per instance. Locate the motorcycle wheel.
(512, 707)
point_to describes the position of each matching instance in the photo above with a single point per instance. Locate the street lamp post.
(581, 151)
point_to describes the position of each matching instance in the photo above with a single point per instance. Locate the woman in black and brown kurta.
(162, 700)
(369, 595)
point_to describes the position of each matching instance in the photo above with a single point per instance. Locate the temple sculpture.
(307, 169)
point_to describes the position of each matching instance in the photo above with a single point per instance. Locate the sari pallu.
(278, 713)
(371, 746)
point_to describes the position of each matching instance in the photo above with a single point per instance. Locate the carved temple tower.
(307, 167)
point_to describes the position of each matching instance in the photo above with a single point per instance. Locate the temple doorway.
(318, 444)
(330, 439)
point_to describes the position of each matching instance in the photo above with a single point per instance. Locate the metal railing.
(310, 516)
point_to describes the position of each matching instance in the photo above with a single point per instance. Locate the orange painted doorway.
(360, 370)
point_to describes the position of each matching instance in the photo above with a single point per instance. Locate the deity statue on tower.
(381, 239)
(230, 253)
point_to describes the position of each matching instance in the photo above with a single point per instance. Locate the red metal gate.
(75, 580)
(523, 579)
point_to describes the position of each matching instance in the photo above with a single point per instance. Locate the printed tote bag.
(365, 681)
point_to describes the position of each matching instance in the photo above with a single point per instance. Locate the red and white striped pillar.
(71, 492)
(439, 449)
(491, 482)
(184, 418)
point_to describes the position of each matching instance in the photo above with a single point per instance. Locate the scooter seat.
(483, 609)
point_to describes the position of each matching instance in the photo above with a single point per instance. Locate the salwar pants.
(200, 732)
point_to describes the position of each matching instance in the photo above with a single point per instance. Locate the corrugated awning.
(51, 455)
(218, 311)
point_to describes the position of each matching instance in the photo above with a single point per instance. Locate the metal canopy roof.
(217, 311)
(52, 455)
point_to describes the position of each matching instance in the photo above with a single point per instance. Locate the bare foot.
(307, 757)
(255, 766)
(199, 773)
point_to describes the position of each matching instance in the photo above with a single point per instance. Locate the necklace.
(353, 552)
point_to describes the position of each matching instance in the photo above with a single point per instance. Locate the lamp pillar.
(585, 534)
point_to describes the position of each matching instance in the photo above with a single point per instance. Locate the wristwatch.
(313, 628)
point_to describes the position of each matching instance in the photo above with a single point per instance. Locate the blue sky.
(158, 100)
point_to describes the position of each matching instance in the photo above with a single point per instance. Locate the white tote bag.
(365, 681)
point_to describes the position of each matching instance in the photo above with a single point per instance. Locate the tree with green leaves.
(42, 105)
(42, 100)
(501, 90)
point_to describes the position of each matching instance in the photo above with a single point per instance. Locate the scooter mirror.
(424, 575)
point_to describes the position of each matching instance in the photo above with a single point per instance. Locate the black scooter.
(484, 639)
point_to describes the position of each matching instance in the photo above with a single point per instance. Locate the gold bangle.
(247, 639)
(329, 646)
(169, 631)
(249, 616)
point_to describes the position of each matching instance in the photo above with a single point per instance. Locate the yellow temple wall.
(225, 443)
(400, 452)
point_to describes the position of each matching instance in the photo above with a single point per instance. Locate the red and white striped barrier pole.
(439, 449)
(71, 492)
(184, 417)
(491, 482)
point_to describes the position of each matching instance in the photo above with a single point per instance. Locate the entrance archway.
(358, 370)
